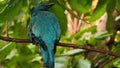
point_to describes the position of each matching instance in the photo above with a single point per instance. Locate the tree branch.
(15, 40)
(64, 45)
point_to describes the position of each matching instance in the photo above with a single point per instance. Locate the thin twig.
(7, 28)
(76, 46)
(106, 62)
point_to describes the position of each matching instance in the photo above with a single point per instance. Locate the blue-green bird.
(44, 30)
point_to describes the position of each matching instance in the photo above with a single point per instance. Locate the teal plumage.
(44, 30)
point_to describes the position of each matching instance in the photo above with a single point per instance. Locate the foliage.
(24, 55)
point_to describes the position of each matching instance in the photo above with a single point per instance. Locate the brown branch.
(65, 45)
(7, 29)
(15, 40)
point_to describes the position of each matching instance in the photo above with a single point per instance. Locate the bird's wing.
(56, 26)
(35, 39)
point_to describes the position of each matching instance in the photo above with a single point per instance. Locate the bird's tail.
(48, 57)
(51, 59)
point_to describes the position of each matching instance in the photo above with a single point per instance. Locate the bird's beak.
(48, 5)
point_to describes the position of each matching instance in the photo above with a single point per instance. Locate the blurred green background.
(86, 22)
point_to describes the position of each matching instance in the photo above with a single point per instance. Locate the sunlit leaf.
(12, 54)
(81, 62)
(95, 39)
(73, 52)
(36, 58)
(4, 51)
(32, 48)
(116, 63)
(2, 4)
(62, 62)
(102, 36)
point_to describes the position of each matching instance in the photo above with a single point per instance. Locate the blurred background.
(94, 23)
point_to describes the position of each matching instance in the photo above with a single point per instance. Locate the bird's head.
(41, 7)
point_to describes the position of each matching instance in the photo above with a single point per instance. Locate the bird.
(44, 29)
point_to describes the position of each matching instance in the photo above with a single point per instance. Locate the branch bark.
(76, 46)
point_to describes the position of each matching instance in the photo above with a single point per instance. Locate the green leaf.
(21, 27)
(118, 4)
(117, 48)
(82, 62)
(10, 10)
(81, 41)
(100, 10)
(32, 48)
(4, 51)
(110, 20)
(116, 63)
(12, 54)
(93, 41)
(61, 17)
(98, 38)
(80, 33)
(73, 52)
(62, 62)
(102, 36)
(80, 5)
(21, 61)
(2, 4)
